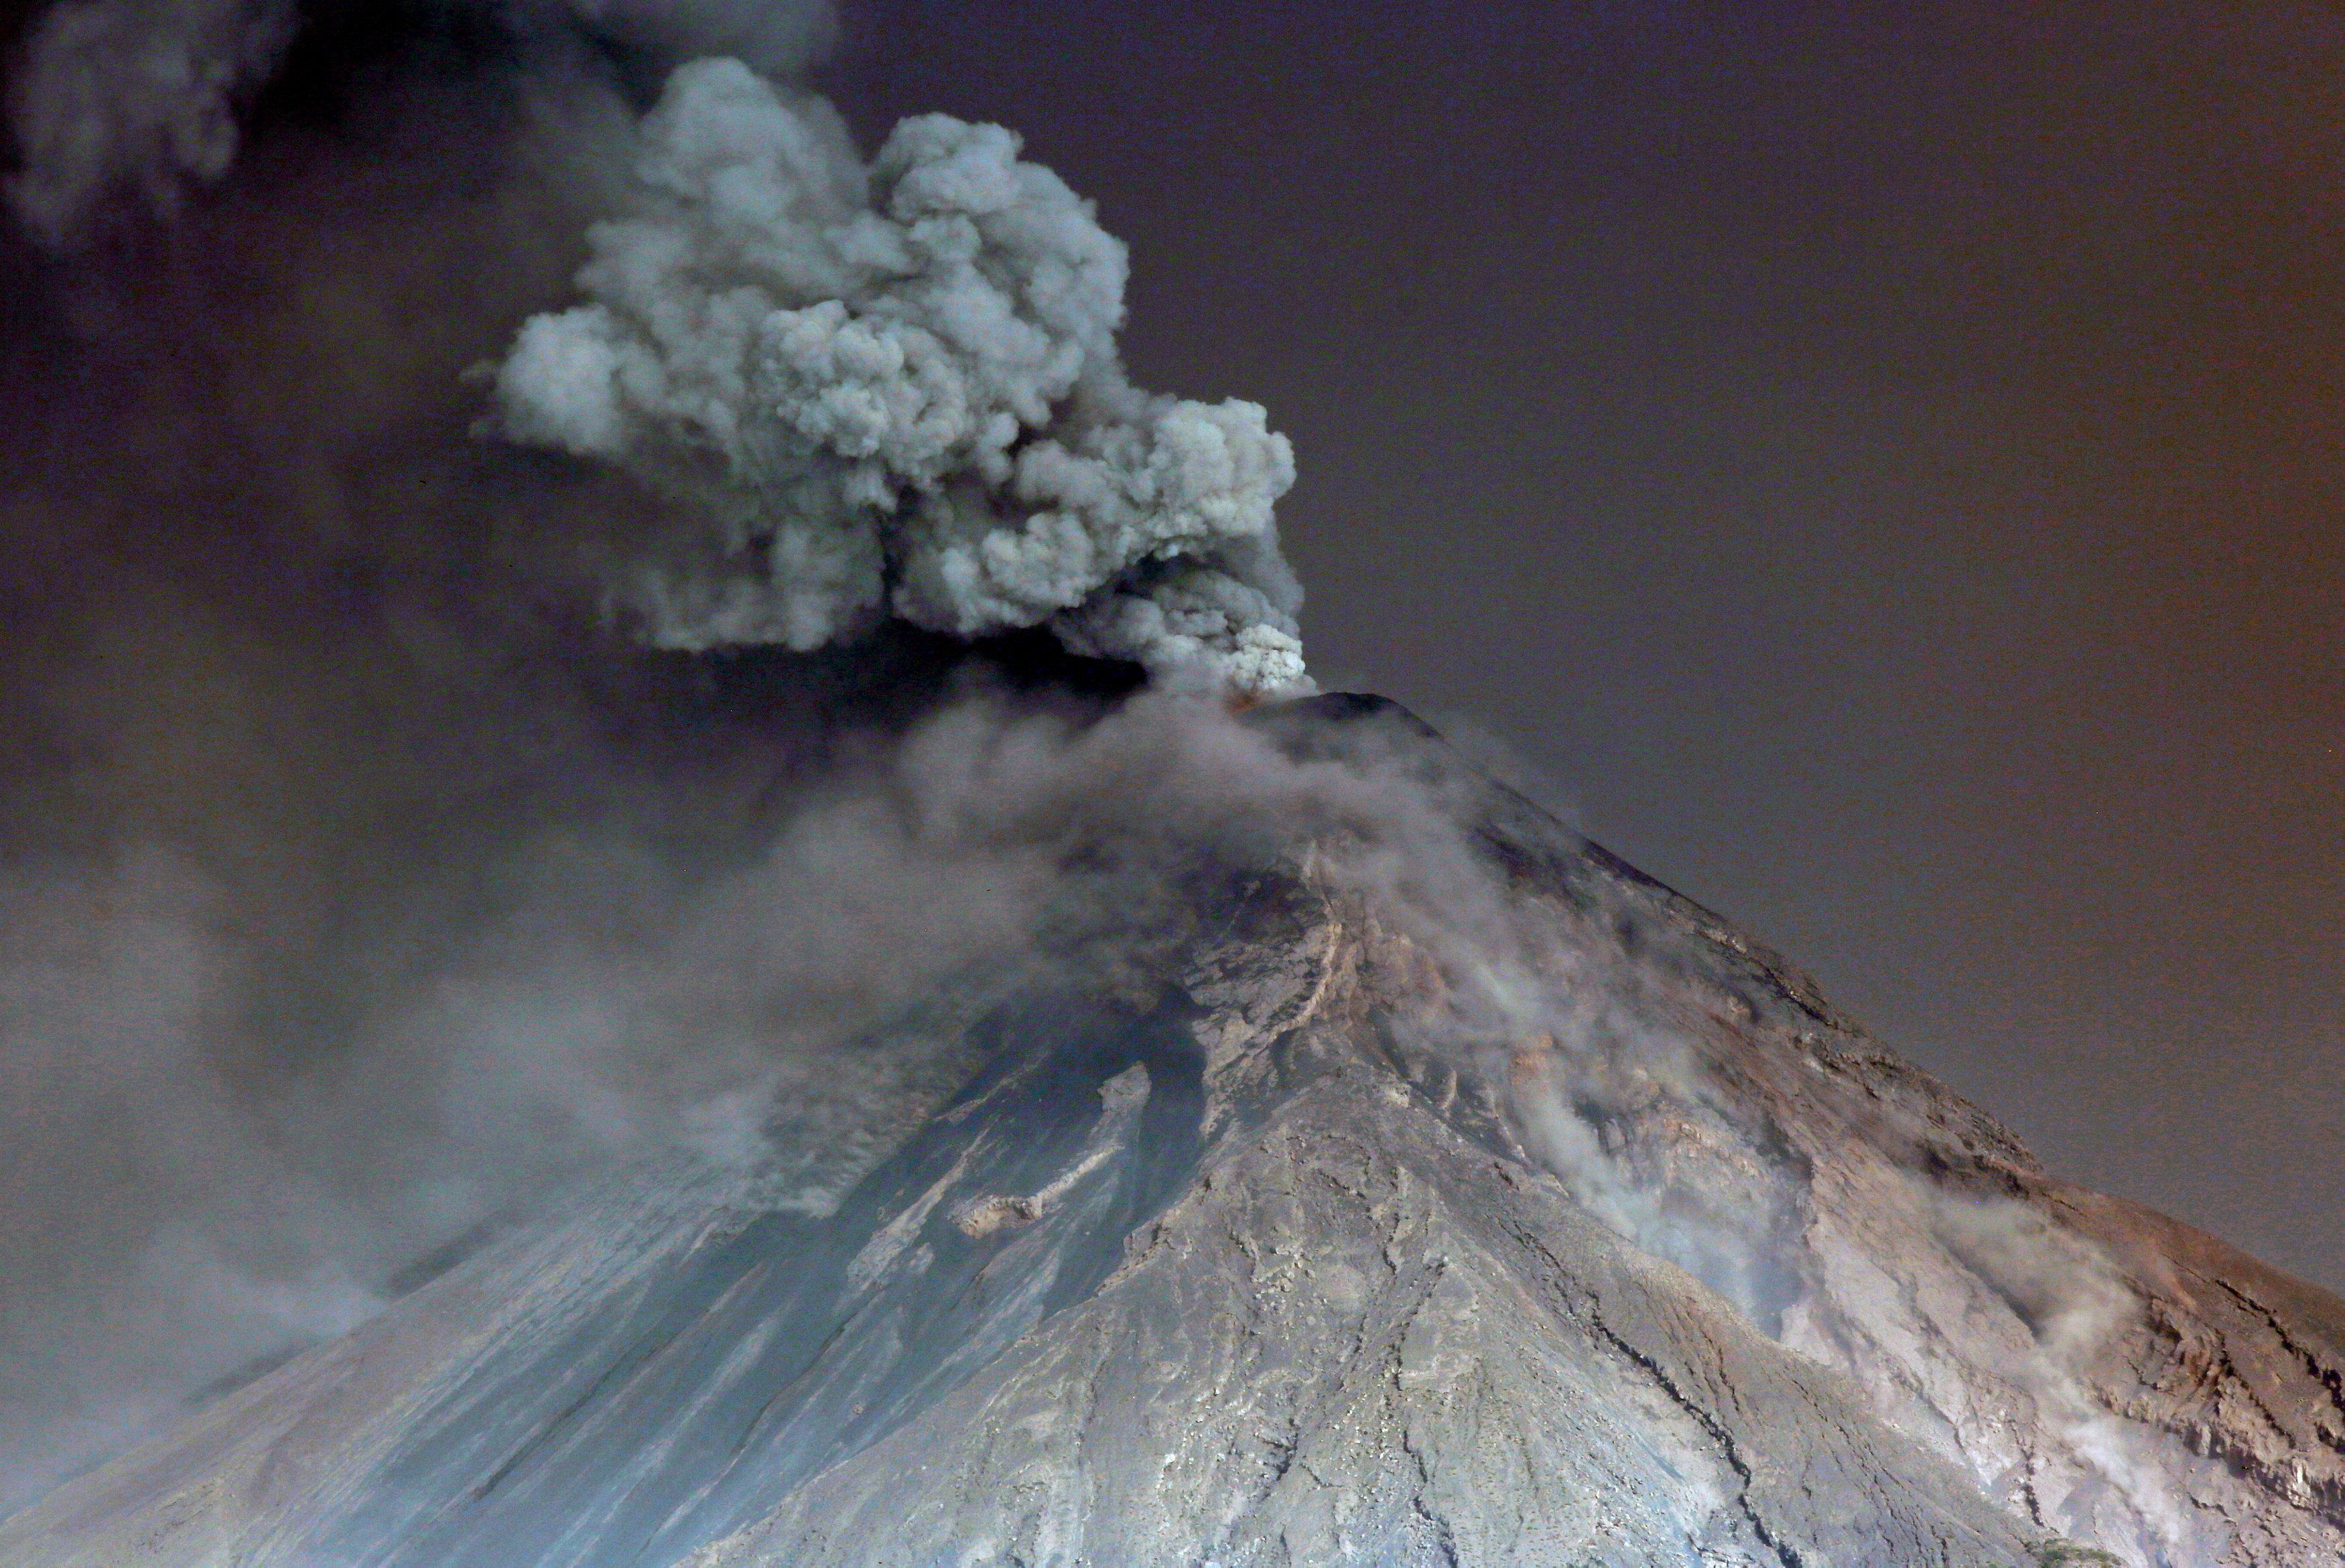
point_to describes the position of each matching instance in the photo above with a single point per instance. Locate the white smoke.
(894, 391)
(2072, 1295)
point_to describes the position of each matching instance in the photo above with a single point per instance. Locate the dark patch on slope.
(658, 1424)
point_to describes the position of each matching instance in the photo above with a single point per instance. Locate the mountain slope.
(1473, 1202)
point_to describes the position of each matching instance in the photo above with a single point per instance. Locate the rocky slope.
(1484, 1204)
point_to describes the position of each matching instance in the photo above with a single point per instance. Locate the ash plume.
(879, 391)
(894, 391)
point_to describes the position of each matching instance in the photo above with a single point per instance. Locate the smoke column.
(886, 390)
(894, 391)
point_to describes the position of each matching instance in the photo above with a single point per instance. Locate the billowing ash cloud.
(893, 390)
(884, 391)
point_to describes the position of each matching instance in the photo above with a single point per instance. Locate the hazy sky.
(1882, 463)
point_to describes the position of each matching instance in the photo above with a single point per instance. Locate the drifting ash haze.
(361, 878)
(638, 929)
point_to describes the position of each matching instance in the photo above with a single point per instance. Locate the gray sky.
(1882, 462)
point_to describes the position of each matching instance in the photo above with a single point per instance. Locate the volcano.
(1278, 1213)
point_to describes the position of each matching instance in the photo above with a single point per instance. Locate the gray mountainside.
(1512, 1211)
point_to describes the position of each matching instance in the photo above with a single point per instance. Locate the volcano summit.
(1424, 1187)
(672, 897)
